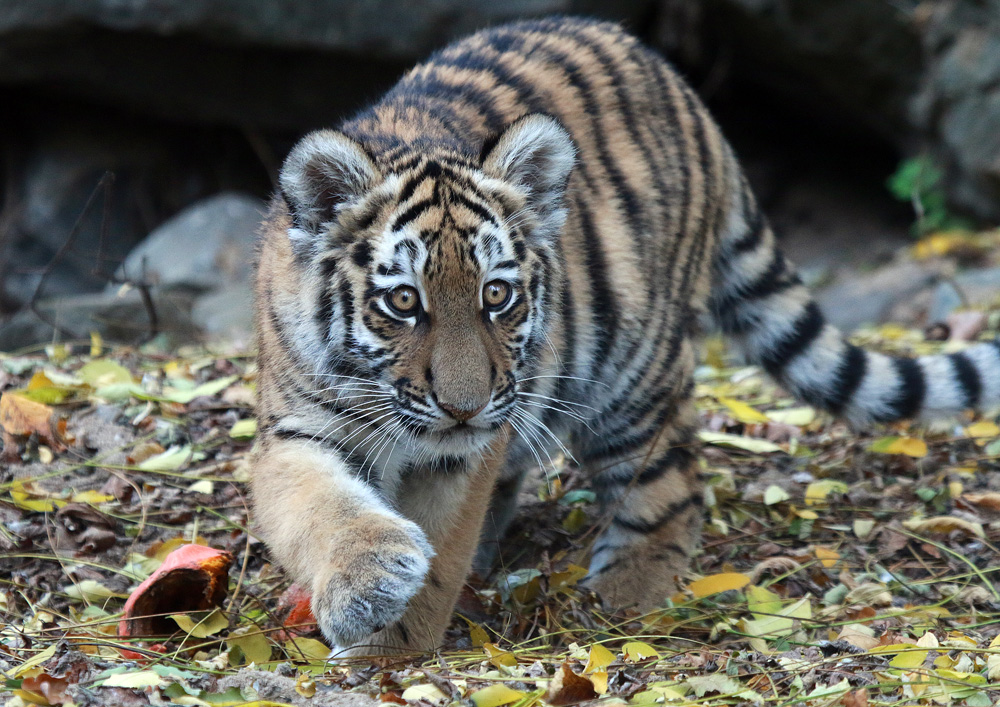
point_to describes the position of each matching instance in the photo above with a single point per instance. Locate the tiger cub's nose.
(461, 414)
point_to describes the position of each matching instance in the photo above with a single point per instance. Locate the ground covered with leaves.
(838, 567)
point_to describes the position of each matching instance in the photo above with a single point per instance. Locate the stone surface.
(281, 63)
(925, 75)
(205, 246)
(971, 288)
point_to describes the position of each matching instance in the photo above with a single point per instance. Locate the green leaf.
(100, 373)
(90, 590)
(244, 429)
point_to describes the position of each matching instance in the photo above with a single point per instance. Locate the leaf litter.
(838, 567)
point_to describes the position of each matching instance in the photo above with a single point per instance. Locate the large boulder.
(924, 75)
(280, 63)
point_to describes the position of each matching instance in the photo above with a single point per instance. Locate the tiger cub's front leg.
(384, 576)
(649, 487)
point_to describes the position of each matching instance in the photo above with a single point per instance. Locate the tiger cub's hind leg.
(647, 481)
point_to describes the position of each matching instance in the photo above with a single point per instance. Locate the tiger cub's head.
(432, 272)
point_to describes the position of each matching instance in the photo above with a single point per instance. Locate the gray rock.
(925, 75)
(283, 63)
(226, 314)
(206, 246)
(117, 317)
(873, 298)
(970, 288)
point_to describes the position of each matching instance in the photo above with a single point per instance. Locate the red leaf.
(191, 578)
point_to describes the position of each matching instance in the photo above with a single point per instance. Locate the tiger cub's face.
(433, 281)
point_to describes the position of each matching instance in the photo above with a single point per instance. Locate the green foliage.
(918, 180)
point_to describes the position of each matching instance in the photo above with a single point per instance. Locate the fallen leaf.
(98, 374)
(743, 412)
(599, 660)
(568, 688)
(748, 444)
(20, 417)
(983, 431)
(425, 692)
(499, 657)
(798, 416)
(944, 525)
(638, 651)
(252, 644)
(828, 558)
(495, 695)
(201, 625)
(716, 583)
(910, 446)
(818, 490)
(774, 495)
(244, 429)
(191, 578)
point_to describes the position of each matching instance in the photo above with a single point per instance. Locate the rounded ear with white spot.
(536, 154)
(322, 173)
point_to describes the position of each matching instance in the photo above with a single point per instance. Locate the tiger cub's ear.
(324, 171)
(536, 154)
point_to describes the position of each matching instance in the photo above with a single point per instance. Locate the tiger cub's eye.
(496, 294)
(403, 299)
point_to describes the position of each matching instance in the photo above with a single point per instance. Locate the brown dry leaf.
(21, 417)
(943, 525)
(568, 688)
(191, 578)
(858, 698)
(990, 500)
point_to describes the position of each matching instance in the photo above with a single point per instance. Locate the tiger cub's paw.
(377, 565)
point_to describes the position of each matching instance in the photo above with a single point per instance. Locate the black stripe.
(845, 381)
(651, 526)
(755, 229)
(912, 388)
(802, 334)
(412, 213)
(403, 633)
(677, 457)
(604, 307)
(968, 378)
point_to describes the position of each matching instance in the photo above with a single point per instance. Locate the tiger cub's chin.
(524, 231)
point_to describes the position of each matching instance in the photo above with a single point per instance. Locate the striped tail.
(759, 301)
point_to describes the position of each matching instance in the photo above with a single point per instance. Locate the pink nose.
(461, 414)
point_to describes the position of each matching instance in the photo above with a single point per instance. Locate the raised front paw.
(377, 564)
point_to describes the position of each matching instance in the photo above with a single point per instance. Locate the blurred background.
(866, 126)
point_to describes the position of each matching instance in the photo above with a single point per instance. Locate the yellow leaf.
(34, 661)
(495, 695)
(818, 490)
(575, 520)
(910, 446)
(600, 681)
(477, 633)
(762, 601)
(90, 590)
(499, 657)
(828, 558)
(305, 685)
(715, 583)
(909, 659)
(205, 486)
(26, 496)
(252, 643)
(92, 497)
(306, 650)
(425, 692)
(943, 525)
(201, 626)
(568, 577)
(96, 344)
(744, 413)
(748, 444)
(983, 431)
(599, 660)
(636, 651)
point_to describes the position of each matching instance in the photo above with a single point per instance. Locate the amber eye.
(403, 300)
(496, 294)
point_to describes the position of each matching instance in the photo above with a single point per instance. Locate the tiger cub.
(511, 249)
